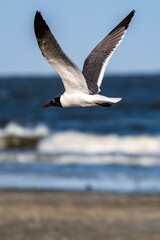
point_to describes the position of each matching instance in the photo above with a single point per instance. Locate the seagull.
(81, 88)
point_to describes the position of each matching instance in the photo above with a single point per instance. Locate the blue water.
(113, 149)
(106, 178)
(22, 99)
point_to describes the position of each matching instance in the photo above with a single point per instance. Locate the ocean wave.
(63, 158)
(89, 143)
(16, 136)
(76, 147)
(39, 143)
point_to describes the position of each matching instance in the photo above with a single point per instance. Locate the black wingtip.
(129, 18)
(133, 11)
(125, 22)
(131, 14)
(38, 16)
(40, 26)
(37, 21)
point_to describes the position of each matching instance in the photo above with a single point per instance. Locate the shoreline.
(46, 215)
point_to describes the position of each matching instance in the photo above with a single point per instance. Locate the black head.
(55, 102)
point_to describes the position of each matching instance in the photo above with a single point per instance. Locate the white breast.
(77, 99)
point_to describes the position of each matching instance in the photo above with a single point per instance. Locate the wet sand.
(42, 215)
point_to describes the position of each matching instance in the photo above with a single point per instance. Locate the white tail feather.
(102, 99)
(114, 100)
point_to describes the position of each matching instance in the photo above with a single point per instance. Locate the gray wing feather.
(71, 76)
(96, 62)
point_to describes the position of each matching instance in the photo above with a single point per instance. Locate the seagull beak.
(47, 105)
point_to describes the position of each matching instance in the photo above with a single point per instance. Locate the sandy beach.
(78, 216)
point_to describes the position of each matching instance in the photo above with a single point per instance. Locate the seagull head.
(55, 102)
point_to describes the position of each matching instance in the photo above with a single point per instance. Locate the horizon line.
(138, 73)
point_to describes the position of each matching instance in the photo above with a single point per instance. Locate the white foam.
(92, 144)
(76, 147)
(17, 130)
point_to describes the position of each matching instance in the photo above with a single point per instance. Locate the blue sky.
(78, 26)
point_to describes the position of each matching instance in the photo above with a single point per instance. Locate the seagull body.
(81, 88)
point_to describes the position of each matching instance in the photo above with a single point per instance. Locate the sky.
(79, 26)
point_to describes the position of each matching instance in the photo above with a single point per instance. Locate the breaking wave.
(39, 143)
(16, 136)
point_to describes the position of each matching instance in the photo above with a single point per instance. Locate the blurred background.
(100, 149)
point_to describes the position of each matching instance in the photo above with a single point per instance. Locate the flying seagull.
(81, 88)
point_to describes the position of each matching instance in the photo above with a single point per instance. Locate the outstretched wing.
(96, 62)
(71, 76)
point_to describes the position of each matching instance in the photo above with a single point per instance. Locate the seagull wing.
(96, 62)
(71, 76)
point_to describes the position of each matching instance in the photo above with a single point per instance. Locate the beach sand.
(42, 215)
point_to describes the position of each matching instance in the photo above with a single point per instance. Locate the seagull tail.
(113, 100)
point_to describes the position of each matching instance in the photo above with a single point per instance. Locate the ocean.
(113, 149)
